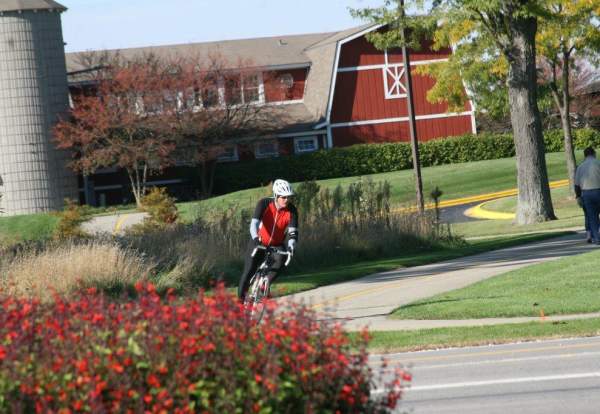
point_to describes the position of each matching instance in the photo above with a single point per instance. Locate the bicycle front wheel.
(256, 298)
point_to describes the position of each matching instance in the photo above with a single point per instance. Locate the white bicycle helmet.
(282, 188)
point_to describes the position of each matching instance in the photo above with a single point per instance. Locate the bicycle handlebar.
(274, 250)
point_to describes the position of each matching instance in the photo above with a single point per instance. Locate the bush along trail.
(161, 354)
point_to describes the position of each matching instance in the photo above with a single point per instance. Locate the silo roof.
(22, 5)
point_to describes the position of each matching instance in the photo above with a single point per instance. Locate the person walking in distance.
(274, 220)
(587, 191)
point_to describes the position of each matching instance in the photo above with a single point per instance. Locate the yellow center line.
(481, 197)
(362, 292)
(119, 223)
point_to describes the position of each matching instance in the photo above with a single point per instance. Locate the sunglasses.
(285, 197)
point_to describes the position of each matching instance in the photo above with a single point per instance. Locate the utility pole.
(414, 142)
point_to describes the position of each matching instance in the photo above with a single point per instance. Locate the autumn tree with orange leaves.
(148, 112)
(125, 122)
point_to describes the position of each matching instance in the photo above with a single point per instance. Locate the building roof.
(22, 5)
(317, 51)
(591, 88)
(260, 52)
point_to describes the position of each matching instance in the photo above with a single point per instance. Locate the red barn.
(368, 100)
(328, 90)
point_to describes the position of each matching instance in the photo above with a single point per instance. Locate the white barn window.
(392, 78)
(229, 153)
(305, 144)
(266, 149)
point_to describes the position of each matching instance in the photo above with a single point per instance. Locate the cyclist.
(273, 220)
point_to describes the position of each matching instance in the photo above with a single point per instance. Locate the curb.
(479, 212)
(481, 197)
(390, 324)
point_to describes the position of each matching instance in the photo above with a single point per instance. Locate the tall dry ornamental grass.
(61, 268)
(336, 227)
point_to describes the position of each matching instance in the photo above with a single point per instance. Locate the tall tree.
(506, 28)
(219, 106)
(121, 124)
(399, 33)
(147, 113)
(569, 29)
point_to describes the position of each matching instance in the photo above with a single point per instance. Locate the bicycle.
(260, 285)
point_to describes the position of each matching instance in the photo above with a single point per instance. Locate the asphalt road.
(456, 214)
(557, 376)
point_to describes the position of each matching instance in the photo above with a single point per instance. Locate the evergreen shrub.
(367, 159)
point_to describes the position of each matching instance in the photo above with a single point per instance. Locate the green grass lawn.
(297, 282)
(560, 287)
(455, 180)
(399, 341)
(26, 227)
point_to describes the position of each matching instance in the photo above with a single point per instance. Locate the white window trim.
(380, 66)
(234, 157)
(399, 119)
(260, 89)
(258, 154)
(396, 71)
(313, 138)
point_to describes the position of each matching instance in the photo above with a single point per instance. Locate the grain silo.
(33, 94)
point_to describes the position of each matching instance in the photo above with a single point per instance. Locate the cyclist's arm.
(257, 216)
(292, 229)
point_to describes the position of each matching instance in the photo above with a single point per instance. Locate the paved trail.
(368, 301)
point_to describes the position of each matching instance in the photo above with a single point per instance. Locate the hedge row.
(163, 354)
(377, 158)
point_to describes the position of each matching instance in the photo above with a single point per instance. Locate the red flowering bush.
(165, 354)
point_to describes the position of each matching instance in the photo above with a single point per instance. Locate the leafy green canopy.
(477, 33)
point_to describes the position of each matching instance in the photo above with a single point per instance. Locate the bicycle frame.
(260, 285)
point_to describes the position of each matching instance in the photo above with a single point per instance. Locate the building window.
(233, 89)
(305, 144)
(266, 149)
(190, 100)
(392, 79)
(209, 93)
(251, 89)
(229, 153)
(243, 89)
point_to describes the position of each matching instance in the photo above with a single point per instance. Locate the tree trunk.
(569, 149)
(133, 175)
(138, 183)
(565, 120)
(207, 177)
(534, 202)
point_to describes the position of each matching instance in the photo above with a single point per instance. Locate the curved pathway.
(368, 301)
(112, 223)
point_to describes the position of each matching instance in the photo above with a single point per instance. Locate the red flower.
(118, 368)
(2, 352)
(97, 318)
(153, 381)
(81, 365)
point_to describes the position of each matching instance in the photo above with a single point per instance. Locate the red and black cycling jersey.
(275, 223)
